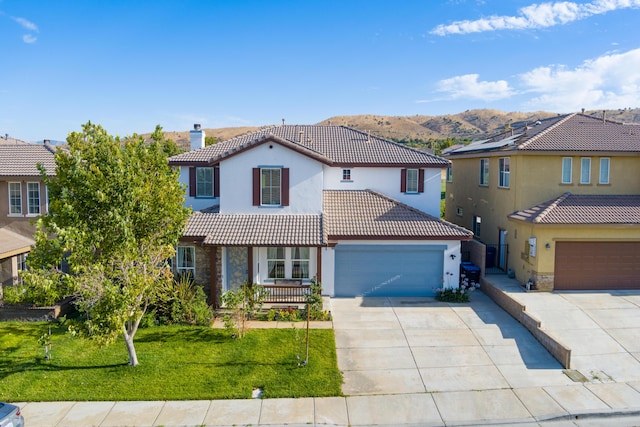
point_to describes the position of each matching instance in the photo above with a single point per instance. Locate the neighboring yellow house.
(558, 200)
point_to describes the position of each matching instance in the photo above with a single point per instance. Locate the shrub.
(461, 294)
(182, 301)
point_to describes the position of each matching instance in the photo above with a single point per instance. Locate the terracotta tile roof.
(23, 159)
(330, 144)
(365, 214)
(255, 230)
(583, 209)
(571, 132)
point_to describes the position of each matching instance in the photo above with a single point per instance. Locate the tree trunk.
(128, 340)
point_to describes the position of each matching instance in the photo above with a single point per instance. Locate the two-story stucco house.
(559, 198)
(23, 197)
(358, 212)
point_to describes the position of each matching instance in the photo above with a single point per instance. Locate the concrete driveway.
(413, 345)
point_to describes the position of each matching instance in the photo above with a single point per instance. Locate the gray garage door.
(388, 270)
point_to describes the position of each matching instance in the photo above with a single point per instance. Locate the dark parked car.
(10, 416)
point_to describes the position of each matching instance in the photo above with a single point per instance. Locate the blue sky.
(130, 65)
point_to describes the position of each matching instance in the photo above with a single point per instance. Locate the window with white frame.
(412, 180)
(204, 182)
(270, 186)
(459, 211)
(346, 174)
(477, 222)
(15, 198)
(21, 263)
(505, 172)
(585, 170)
(276, 259)
(484, 171)
(450, 174)
(567, 170)
(186, 260)
(291, 262)
(33, 198)
(604, 170)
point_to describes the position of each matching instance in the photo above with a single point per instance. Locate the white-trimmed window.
(567, 170)
(459, 211)
(204, 182)
(585, 170)
(450, 174)
(477, 222)
(605, 162)
(505, 172)
(412, 180)
(484, 171)
(276, 259)
(186, 260)
(15, 198)
(291, 263)
(33, 198)
(346, 174)
(270, 186)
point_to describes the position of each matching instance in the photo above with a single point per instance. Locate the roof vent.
(368, 136)
(583, 111)
(46, 142)
(604, 116)
(283, 122)
(301, 133)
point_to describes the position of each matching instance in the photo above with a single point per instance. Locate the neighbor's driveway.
(417, 345)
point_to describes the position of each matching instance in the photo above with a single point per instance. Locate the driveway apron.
(416, 345)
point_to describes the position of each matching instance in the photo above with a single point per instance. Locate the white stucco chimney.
(197, 137)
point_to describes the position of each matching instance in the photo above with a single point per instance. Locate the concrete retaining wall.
(561, 352)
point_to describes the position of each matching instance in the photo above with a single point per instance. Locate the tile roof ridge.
(547, 130)
(389, 141)
(546, 211)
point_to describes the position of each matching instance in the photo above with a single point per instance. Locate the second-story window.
(270, 186)
(567, 163)
(484, 171)
(33, 198)
(585, 170)
(412, 180)
(450, 174)
(204, 182)
(15, 198)
(604, 170)
(505, 173)
(346, 174)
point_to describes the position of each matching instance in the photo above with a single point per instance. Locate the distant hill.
(470, 124)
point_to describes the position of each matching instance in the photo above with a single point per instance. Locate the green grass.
(176, 363)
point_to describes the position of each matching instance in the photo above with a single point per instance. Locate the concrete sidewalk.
(406, 361)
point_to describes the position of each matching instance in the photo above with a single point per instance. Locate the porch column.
(213, 280)
(319, 264)
(250, 264)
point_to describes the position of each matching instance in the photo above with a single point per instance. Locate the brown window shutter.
(403, 180)
(256, 186)
(216, 181)
(192, 182)
(285, 187)
(420, 180)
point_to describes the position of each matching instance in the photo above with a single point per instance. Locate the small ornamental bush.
(460, 294)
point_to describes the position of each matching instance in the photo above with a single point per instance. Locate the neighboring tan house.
(558, 199)
(23, 197)
(289, 203)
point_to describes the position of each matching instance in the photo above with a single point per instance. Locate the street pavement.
(417, 361)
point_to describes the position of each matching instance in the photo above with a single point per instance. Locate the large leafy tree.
(115, 215)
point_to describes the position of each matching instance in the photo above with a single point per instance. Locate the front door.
(237, 267)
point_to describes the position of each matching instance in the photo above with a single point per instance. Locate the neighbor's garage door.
(388, 270)
(597, 265)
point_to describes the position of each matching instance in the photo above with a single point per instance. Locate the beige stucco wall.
(534, 179)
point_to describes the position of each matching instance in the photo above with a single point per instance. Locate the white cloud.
(28, 38)
(26, 24)
(468, 86)
(610, 81)
(536, 16)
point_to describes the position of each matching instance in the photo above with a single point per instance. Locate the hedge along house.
(289, 203)
(23, 197)
(560, 198)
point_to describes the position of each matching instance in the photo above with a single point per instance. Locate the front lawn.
(176, 363)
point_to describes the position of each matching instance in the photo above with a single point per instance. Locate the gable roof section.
(23, 159)
(12, 243)
(366, 214)
(583, 209)
(255, 230)
(571, 132)
(334, 145)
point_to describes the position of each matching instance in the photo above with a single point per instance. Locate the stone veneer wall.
(203, 272)
(544, 282)
(561, 352)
